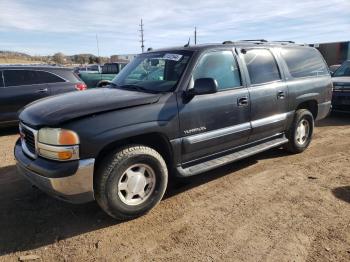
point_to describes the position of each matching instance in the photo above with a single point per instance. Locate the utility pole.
(195, 35)
(98, 48)
(142, 40)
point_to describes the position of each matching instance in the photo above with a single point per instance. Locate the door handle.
(281, 95)
(243, 101)
(42, 90)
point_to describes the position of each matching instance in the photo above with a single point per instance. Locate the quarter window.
(304, 62)
(222, 66)
(262, 66)
(46, 77)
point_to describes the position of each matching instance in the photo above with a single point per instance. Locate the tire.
(130, 182)
(296, 144)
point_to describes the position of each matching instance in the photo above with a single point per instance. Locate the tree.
(59, 58)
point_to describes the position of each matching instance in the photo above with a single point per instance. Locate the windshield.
(344, 70)
(154, 72)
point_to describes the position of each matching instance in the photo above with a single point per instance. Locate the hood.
(55, 110)
(341, 80)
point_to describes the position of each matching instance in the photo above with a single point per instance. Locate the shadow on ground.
(30, 219)
(343, 193)
(335, 119)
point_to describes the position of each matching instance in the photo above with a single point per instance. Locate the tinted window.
(20, 77)
(303, 62)
(221, 66)
(344, 70)
(1, 80)
(46, 77)
(262, 66)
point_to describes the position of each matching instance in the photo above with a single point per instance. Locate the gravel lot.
(270, 207)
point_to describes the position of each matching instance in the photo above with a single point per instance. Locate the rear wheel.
(300, 132)
(130, 182)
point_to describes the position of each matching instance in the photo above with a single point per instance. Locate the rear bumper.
(323, 110)
(74, 188)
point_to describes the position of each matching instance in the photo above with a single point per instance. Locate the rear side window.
(46, 77)
(29, 77)
(304, 62)
(222, 66)
(20, 77)
(262, 66)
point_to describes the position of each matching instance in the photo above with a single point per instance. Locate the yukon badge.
(195, 130)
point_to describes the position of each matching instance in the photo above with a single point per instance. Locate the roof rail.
(227, 42)
(255, 40)
(287, 42)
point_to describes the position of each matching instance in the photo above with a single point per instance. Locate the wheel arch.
(310, 105)
(155, 140)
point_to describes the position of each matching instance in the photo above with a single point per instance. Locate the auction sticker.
(174, 57)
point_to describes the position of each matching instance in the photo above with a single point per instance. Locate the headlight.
(58, 144)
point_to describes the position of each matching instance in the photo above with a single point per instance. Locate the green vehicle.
(102, 76)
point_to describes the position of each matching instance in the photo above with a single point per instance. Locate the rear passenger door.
(268, 92)
(213, 123)
(21, 87)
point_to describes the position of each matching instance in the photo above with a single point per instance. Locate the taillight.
(80, 86)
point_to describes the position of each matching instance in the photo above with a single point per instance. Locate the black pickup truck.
(177, 111)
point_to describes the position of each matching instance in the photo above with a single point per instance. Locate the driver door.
(213, 123)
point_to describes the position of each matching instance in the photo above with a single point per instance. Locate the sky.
(43, 27)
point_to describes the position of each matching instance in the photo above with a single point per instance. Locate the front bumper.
(74, 187)
(341, 101)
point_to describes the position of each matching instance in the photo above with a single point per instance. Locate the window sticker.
(174, 57)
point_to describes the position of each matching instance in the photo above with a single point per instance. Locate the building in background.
(334, 53)
(122, 58)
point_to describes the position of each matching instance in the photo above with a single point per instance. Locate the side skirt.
(229, 158)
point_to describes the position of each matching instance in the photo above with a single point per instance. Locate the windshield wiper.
(137, 88)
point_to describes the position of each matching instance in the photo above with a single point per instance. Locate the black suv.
(21, 85)
(341, 90)
(179, 111)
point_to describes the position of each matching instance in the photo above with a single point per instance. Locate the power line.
(142, 39)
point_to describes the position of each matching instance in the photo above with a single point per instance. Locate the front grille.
(28, 138)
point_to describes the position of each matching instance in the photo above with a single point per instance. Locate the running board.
(223, 160)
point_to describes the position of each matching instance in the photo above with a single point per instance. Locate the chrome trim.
(269, 120)
(57, 149)
(77, 188)
(217, 133)
(23, 143)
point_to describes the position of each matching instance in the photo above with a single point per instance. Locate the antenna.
(188, 43)
(195, 35)
(98, 48)
(142, 40)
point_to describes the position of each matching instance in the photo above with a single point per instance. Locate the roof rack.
(288, 42)
(255, 40)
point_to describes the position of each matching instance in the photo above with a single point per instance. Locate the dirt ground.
(270, 207)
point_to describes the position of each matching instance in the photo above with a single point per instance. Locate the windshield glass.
(154, 72)
(344, 70)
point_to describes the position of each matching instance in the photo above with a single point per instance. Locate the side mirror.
(204, 86)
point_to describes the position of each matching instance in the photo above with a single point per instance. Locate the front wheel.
(130, 182)
(300, 132)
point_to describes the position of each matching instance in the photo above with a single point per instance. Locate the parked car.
(341, 89)
(21, 85)
(103, 77)
(212, 105)
(333, 68)
(88, 69)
